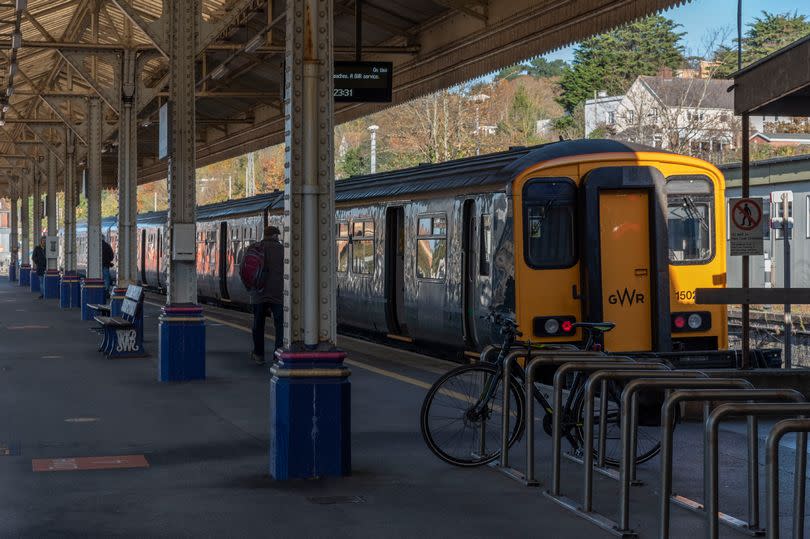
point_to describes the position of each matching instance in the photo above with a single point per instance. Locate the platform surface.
(206, 446)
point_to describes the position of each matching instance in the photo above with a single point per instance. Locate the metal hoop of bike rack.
(746, 392)
(549, 357)
(710, 465)
(556, 431)
(801, 426)
(585, 509)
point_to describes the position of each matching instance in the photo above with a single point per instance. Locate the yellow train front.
(625, 236)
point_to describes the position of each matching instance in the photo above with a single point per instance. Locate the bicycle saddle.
(603, 327)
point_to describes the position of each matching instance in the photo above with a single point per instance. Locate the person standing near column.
(40, 262)
(107, 256)
(268, 293)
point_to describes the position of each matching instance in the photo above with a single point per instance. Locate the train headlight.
(554, 326)
(693, 321)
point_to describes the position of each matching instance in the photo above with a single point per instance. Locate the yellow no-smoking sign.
(746, 226)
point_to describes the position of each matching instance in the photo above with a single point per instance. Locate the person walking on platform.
(40, 263)
(262, 273)
(107, 256)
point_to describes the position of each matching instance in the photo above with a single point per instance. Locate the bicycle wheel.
(453, 428)
(648, 437)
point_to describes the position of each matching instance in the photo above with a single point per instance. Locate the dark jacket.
(273, 290)
(107, 254)
(39, 259)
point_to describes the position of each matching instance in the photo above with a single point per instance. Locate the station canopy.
(56, 53)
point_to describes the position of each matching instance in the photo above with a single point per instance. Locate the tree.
(541, 68)
(768, 33)
(613, 60)
(354, 163)
(522, 118)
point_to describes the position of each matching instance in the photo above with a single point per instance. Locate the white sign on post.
(746, 224)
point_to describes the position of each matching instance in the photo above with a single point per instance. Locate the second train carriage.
(578, 230)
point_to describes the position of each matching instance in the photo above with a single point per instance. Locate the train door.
(223, 261)
(624, 254)
(470, 273)
(159, 257)
(395, 270)
(625, 245)
(143, 256)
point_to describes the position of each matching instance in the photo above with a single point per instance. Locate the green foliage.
(522, 118)
(613, 60)
(538, 68)
(768, 33)
(354, 163)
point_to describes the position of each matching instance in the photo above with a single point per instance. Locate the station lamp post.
(373, 128)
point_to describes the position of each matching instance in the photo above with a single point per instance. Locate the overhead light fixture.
(16, 40)
(255, 43)
(12, 69)
(10, 91)
(219, 72)
(22, 5)
(5, 107)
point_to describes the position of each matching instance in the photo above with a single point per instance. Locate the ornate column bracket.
(54, 102)
(110, 95)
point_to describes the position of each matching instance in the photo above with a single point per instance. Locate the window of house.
(362, 241)
(342, 244)
(4, 220)
(431, 247)
(611, 117)
(549, 217)
(631, 116)
(485, 247)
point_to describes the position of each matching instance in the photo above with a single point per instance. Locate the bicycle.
(471, 396)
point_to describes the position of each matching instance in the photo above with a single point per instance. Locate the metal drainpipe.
(309, 192)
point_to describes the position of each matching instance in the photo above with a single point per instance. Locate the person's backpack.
(253, 270)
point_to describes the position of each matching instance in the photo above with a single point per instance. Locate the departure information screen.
(363, 82)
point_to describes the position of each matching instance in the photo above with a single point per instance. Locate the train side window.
(690, 219)
(363, 247)
(342, 244)
(431, 248)
(485, 246)
(549, 223)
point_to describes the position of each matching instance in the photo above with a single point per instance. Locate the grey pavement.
(206, 444)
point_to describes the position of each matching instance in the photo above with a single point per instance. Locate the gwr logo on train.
(626, 296)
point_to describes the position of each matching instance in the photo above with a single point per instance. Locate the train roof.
(492, 169)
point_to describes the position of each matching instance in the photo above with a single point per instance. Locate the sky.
(701, 19)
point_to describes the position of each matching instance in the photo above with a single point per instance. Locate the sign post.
(746, 226)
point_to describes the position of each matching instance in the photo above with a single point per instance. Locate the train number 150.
(685, 295)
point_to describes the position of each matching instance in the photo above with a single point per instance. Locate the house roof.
(693, 93)
(802, 138)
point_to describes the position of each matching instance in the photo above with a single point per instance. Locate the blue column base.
(310, 392)
(35, 284)
(182, 343)
(70, 291)
(92, 293)
(117, 300)
(50, 288)
(12, 272)
(25, 275)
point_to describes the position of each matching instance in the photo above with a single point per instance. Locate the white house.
(688, 115)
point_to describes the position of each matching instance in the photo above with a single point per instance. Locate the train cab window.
(342, 244)
(690, 219)
(485, 247)
(549, 217)
(362, 241)
(431, 248)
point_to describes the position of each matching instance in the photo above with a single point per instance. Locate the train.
(582, 230)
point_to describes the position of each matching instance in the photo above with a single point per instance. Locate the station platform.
(199, 451)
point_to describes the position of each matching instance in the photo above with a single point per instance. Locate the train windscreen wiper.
(693, 212)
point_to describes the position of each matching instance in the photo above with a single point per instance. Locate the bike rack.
(624, 363)
(585, 509)
(801, 426)
(710, 468)
(545, 357)
(746, 392)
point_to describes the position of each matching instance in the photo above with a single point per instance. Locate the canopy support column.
(70, 290)
(309, 252)
(50, 290)
(182, 329)
(127, 175)
(12, 239)
(25, 252)
(36, 285)
(93, 290)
